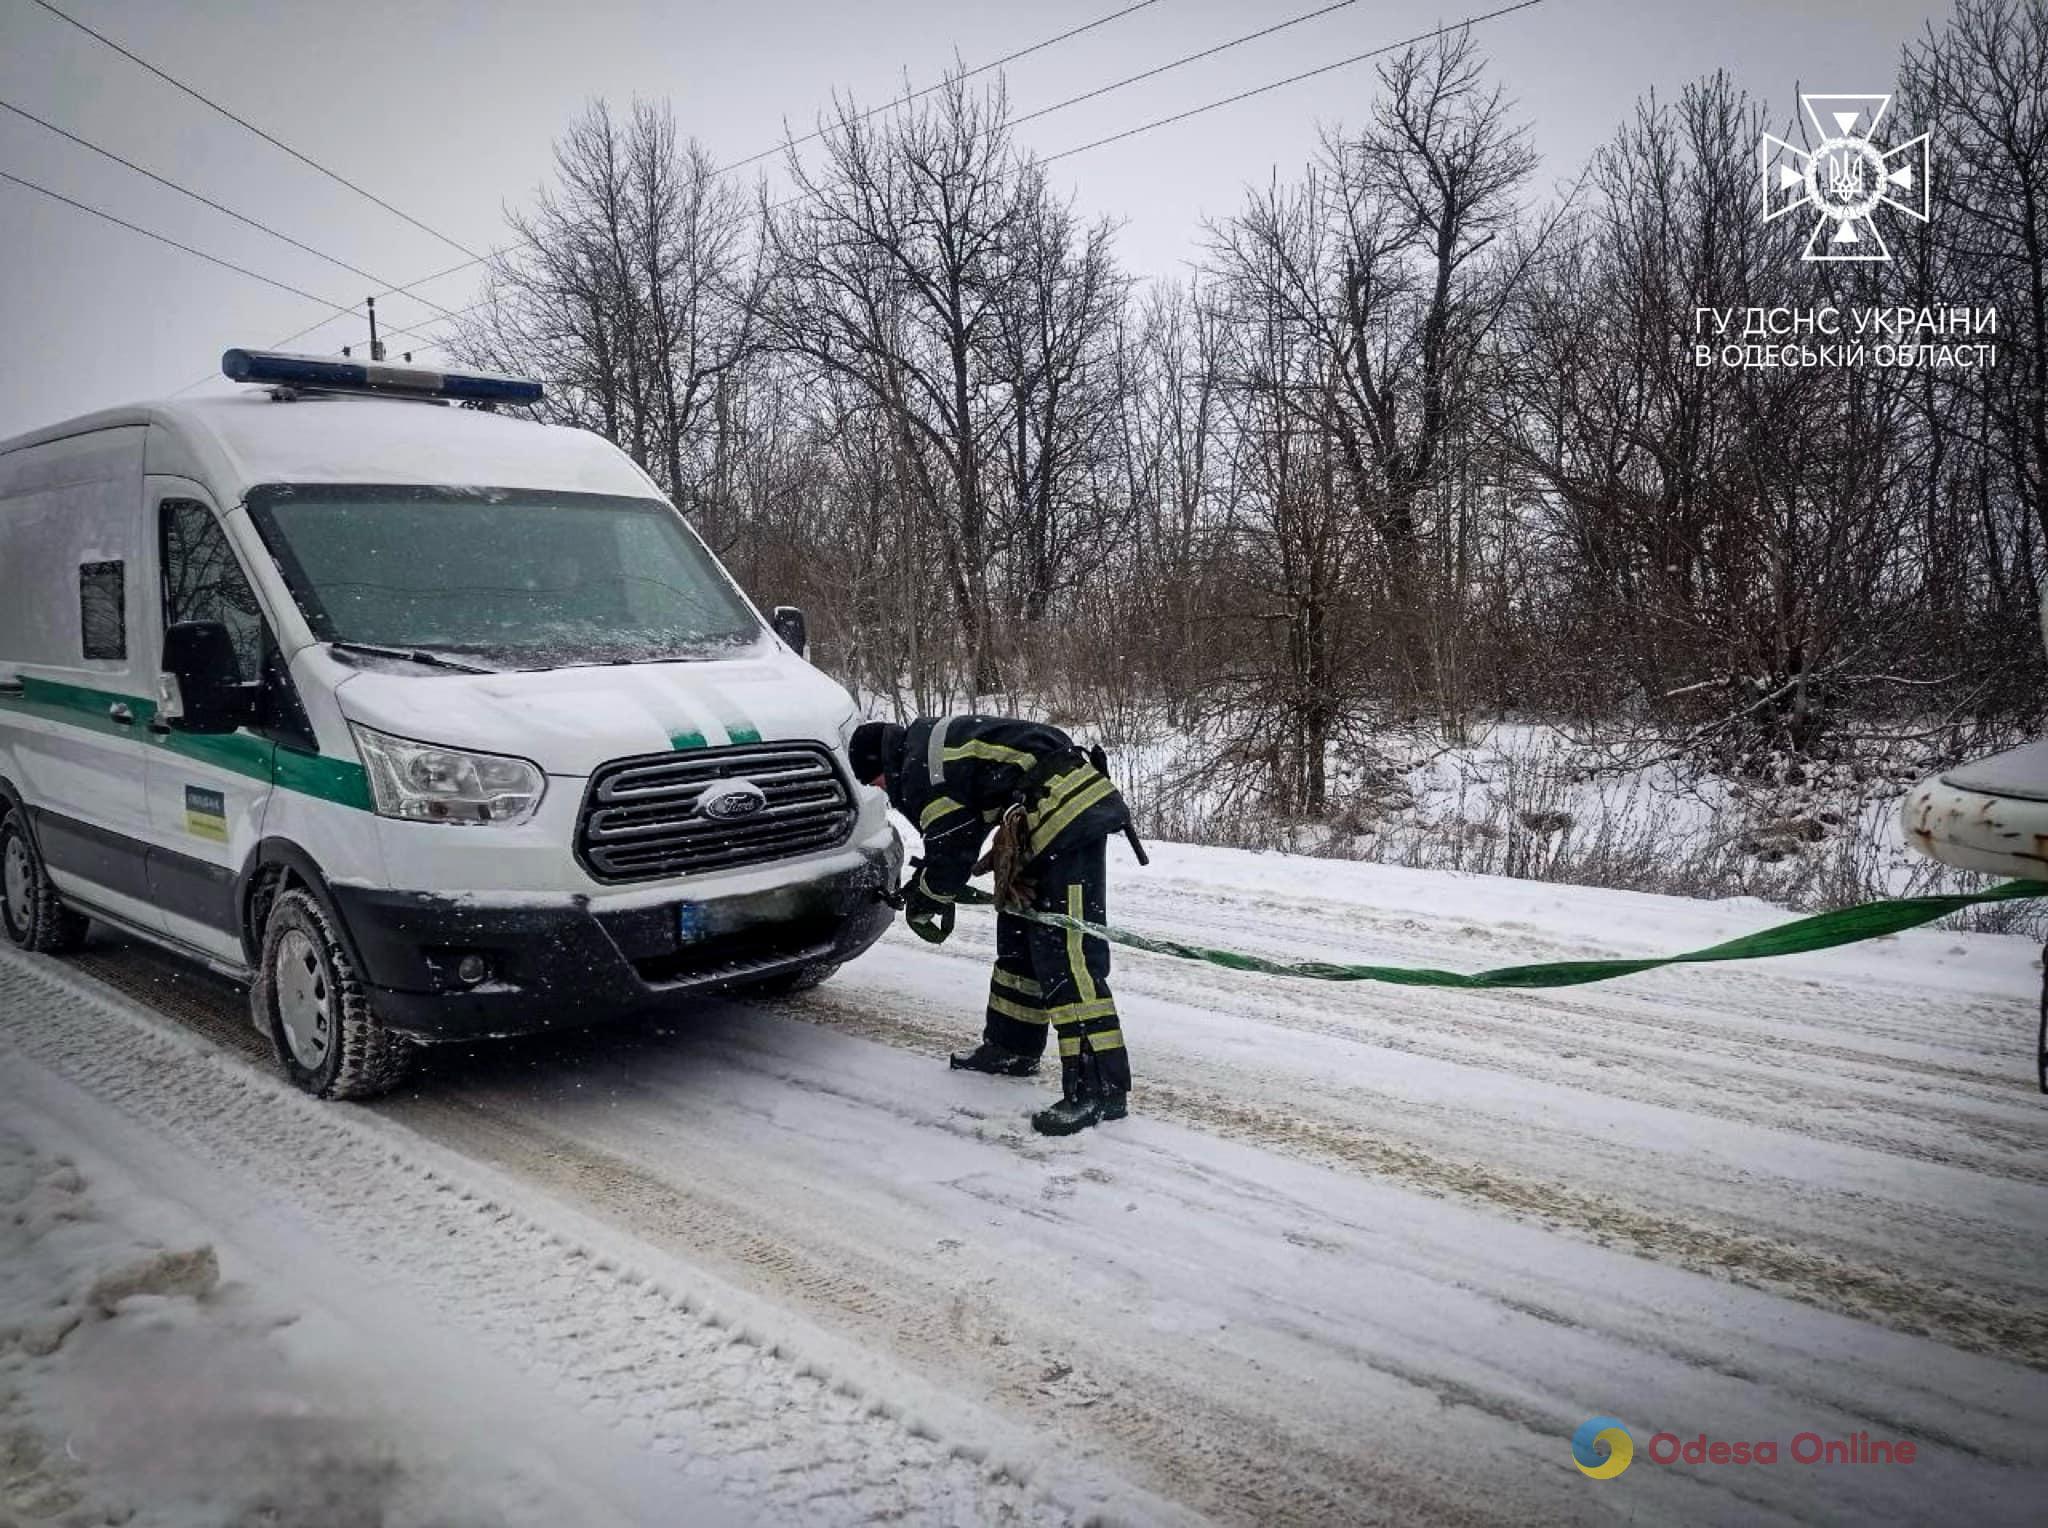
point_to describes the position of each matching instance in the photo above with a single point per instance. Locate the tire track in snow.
(1963, 1317)
(1211, 1098)
(1283, 929)
(736, 1412)
(814, 1277)
(1630, 1046)
(1228, 1462)
(1764, 1088)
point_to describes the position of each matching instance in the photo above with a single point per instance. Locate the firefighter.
(1053, 807)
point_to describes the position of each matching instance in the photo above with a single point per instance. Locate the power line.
(1190, 58)
(417, 331)
(739, 164)
(240, 270)
(424, 340)
(409, 289)
(1008, 58)
(338, 310)
(460, 265)
(1231, 100)
(205, 201)
(1292, 79)
(477, 259)
(430, 339)
(244, 122)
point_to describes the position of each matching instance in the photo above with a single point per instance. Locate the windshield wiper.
(411, 655)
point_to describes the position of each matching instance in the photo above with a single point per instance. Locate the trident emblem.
(1846, 177)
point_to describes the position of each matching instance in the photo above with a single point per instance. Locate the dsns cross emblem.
(730, 800)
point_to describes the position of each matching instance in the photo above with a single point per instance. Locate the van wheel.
(35, 915)
(308, 999)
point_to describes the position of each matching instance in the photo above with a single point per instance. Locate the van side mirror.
(788, 622)
(205, 692)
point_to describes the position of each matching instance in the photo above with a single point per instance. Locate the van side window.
(203, 582)
(103, 609)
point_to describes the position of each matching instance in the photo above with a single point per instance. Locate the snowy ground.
(1536, 801)
(1365, 1254)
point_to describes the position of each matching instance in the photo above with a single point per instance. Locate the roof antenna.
(376, 345)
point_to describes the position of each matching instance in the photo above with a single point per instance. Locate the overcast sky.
(446, 109)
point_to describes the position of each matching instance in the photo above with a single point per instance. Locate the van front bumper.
(564, 962)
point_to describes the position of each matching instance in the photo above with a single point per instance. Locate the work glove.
(930, 918)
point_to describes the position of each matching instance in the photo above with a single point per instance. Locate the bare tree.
(634, 287)
(890, 270)
(1413, 445)
(1055, 359)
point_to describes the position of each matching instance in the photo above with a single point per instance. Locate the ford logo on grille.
(730, 800)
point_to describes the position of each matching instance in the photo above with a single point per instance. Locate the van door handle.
(121, 714)
(12, 687)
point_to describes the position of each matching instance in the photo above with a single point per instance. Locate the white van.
(426, 721)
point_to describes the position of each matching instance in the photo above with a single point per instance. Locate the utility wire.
(206, 201)
(1190, 58)
(1292, 79)
(477, 259)
(417, 332)
(240, 270)
(1231, 100)
(423, 340)
(460, 265)
(275, 142)
(1008, 58)
(740, 164)
(338, 310)
(408, 290)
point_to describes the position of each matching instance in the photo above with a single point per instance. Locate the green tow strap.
(1824, 931)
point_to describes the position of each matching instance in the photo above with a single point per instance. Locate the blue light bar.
(326, 374)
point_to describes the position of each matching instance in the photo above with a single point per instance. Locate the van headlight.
(423, 782)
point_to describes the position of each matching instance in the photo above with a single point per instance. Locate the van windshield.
(511, 578)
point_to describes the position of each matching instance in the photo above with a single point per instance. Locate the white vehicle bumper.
(1990, 815)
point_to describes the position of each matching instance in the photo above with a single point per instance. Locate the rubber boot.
(1083, 1101)
(991, 1058)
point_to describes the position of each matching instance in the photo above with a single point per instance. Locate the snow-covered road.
(1364, 1253)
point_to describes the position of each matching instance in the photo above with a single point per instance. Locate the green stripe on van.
(342, 781)
(239, 753)
(739, 727)
(684, 740)
(77, 705)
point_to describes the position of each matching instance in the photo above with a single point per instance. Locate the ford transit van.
(426, 721)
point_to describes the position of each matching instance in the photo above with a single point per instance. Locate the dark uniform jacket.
(956, 776)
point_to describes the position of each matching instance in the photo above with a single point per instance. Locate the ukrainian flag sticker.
(206, 814)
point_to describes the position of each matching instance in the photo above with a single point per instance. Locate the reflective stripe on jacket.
(957, 775)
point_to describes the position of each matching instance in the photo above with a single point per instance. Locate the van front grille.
(640, 819)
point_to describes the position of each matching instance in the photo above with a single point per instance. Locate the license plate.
(691, 923)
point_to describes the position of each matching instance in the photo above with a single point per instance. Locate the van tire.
(354, 1055)
(30, 907)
